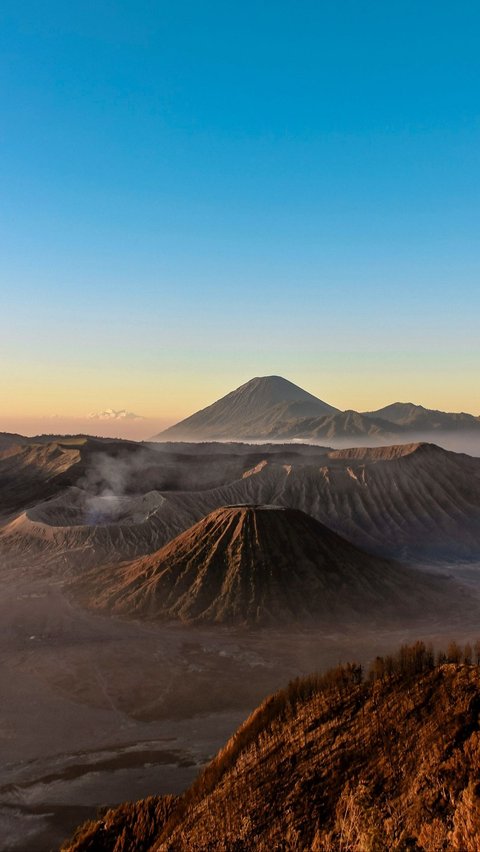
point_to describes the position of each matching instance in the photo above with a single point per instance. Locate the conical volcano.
(253, 411)
(254, 564)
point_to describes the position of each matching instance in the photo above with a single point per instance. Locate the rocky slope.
(332, 763)
(410, 502)
(36, 470)
(262, 565)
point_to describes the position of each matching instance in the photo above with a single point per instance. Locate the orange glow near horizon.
(32, 408)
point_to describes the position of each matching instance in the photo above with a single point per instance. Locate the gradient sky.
(193, 194)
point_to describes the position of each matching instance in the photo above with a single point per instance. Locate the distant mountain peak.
(272, 408)
(412, 416)
(252, 411)
(276, 385)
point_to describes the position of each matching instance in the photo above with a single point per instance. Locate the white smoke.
(109, 478)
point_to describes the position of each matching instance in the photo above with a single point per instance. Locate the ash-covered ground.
(94, 710)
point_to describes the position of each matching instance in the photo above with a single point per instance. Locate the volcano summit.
(256, 409)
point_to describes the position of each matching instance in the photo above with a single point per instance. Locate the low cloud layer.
(111, 414)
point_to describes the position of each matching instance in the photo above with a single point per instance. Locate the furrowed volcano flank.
(257, 564)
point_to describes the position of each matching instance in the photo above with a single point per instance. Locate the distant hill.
(417, 418)
(330, 763)
(9, 440)
(254, 564)
(270, 408)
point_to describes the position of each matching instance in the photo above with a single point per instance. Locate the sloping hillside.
(332, 763)
(409, 502)
(417, 418)
(263, 565)
(252, 411)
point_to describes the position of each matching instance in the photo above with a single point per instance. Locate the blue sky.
(195, 193)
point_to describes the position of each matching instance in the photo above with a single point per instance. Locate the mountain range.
(97, 502)
(271, 408)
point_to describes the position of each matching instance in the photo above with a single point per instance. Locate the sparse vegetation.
(133, 825)
(334, 762)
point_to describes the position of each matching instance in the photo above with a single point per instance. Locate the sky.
(196, 193)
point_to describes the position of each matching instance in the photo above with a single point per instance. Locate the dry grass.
(334, 762)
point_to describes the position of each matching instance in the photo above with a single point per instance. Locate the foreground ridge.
(332, 762)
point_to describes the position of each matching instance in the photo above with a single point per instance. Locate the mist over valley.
(154, 593)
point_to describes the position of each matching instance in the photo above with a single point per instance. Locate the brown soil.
(333, 764)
